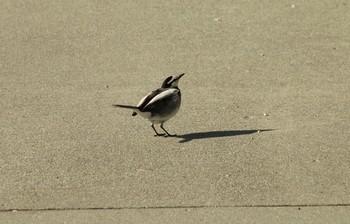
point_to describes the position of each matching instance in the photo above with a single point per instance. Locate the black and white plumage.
(159, 105)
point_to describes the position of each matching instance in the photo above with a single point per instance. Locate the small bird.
(159, 105)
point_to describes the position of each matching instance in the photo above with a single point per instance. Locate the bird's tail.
(126, 106)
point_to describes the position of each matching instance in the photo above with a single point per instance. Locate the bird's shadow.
(217, 134)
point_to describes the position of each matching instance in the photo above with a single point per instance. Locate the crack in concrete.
(174, 207)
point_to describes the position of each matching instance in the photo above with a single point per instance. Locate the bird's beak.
(181, 75)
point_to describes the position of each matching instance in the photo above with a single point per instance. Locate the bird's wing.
(144, 101)
(160, 96)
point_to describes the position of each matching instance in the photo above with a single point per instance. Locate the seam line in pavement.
(174, 207)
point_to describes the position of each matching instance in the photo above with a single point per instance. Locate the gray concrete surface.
(281, 67)
(318, 215)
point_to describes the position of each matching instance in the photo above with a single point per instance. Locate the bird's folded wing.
(144, 101)
(162, 95)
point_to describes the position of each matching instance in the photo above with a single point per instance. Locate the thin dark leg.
(157, 134)
(161, 125)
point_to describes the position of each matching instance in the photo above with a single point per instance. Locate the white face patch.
(175, 84)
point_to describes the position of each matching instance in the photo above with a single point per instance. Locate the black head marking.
(166, 83)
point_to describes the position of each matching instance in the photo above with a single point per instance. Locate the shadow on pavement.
(217, 134)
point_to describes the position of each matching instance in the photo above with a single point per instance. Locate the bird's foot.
(156, 135)
(169, 135)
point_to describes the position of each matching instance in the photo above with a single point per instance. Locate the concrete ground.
(263, 132)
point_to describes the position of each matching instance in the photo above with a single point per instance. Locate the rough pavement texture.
(264, 120)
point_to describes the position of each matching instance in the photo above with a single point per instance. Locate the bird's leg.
(161, 125)
(157, 134)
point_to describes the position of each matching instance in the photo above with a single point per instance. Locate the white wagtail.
(159, 105)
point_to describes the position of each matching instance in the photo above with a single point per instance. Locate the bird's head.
(172, 81)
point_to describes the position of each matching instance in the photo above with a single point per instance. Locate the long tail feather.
(126, 106)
